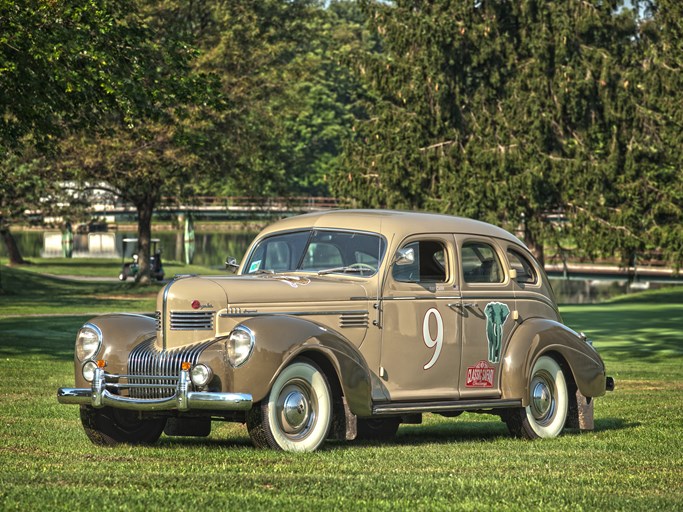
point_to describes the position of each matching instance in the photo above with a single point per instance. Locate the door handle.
(463, 305)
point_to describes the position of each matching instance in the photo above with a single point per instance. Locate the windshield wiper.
(342, 269)
(262, 271)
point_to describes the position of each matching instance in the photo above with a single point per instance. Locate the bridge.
(227, 207)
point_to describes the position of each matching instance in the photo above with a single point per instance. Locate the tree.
(141, 166)
(489, 109)
(76, 65)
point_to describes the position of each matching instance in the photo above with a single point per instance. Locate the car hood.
(187, 307)
(287, 288)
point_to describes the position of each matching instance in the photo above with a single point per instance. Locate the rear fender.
(280, 339)
(536, 337)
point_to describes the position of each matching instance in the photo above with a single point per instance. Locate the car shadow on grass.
(607, 424)
(230, 443)
(408, 435)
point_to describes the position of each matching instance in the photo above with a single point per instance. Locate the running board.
(452, 405)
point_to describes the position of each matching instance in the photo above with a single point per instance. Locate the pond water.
(211, 250)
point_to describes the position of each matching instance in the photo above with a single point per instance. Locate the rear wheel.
(297, 412)
(546, 413)
(109, 426)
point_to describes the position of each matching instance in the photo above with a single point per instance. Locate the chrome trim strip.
(164, 313)
(293, 313)
(422, 297)
(455, 405)
(501, 296)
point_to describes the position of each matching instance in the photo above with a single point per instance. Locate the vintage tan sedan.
(343, 325)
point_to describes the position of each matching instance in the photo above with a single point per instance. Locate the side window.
(429, 265)
(525, 270)
(480, 263)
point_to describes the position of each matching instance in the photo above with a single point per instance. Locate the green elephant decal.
(496, 314)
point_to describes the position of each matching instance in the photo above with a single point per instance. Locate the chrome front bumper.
(182, 399)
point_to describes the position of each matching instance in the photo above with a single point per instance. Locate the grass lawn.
(103, 267)
(30, 293)
(633, 460)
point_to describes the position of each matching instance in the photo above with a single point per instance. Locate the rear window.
(480, 263)
(525, 270)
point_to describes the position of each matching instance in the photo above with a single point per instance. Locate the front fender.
(538, 336)
(280, 339)
(120, 334)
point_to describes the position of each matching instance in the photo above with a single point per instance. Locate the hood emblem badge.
(198, 305)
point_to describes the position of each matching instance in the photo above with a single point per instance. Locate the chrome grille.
(156, 371)
(353, 320)
(191, 320)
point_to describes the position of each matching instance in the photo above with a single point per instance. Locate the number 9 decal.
(427, 335)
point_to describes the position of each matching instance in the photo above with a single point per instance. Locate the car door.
(420, 354)
(488, 315)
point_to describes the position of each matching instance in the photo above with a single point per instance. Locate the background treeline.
(559, 120)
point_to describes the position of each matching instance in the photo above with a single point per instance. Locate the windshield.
(318, 251)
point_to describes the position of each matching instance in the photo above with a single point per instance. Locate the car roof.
(391, 222)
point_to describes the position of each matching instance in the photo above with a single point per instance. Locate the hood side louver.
(192, 320)
(353, 320)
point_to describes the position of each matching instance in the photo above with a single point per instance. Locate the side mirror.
(513, 274)
(405, 256)
(231, 264)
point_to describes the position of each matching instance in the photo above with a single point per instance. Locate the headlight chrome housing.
(201, 375)
(239, 345)
(88, 370)
(88, 341)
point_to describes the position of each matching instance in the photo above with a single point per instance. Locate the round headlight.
(88, 341)
(240, 345)
(201, 375)
(89, 370)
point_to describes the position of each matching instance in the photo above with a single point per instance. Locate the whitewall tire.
(296, 415)
(546, 414)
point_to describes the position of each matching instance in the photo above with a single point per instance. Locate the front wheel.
(109, 426)
(297, 412)
(546, 413)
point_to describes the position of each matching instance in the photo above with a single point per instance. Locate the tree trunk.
(13, 252)
(533, 243)
(145, 211)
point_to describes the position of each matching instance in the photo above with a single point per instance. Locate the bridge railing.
(237, 203)
(267, 203)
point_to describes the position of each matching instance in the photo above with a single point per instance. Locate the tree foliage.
(509, 112)
(289, 101)
(66, 64)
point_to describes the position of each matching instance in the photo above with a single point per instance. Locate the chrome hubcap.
(542, 397)
(295, 410)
